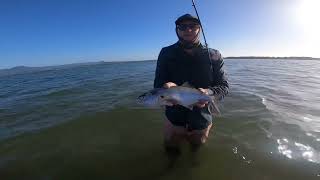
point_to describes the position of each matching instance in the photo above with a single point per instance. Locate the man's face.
(188, 30)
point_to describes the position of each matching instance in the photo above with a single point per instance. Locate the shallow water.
(270, 128)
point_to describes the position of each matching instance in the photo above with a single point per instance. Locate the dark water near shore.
(82, 122)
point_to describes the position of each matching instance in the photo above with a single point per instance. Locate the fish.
(184, 95)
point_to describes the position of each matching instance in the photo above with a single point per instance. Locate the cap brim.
(188, 19)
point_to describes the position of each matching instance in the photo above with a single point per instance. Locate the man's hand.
(202, 104)
(169, 85)
(170, 102)
(204, 91)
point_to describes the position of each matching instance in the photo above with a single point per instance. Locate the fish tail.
(213, 108)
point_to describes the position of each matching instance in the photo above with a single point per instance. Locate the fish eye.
(162, 96)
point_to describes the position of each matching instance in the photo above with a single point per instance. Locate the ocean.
(82, 122)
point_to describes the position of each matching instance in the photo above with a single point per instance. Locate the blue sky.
(52, 32)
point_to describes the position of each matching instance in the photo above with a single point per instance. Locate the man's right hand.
(169, 85)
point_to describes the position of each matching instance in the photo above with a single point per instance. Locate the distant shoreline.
(22, 68)
(269, 57)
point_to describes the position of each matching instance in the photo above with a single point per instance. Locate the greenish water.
(82, 122)
(111, 146)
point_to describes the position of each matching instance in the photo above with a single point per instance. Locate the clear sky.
(52, 32)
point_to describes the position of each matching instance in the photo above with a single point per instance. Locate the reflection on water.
(235, 151)
(300, 150)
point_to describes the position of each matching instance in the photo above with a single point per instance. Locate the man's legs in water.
(198, 137)
(173, 136)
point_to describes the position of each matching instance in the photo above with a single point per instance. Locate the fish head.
(152, 98)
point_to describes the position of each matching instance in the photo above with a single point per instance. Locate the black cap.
(187, 17)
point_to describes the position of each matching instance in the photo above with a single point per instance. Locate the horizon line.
(113, 61)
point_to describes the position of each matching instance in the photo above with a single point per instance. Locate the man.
(188, 61)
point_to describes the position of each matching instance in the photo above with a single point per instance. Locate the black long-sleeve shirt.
(177, 66)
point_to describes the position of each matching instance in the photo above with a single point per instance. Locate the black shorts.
(196, 119)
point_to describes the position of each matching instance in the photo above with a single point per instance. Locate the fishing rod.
(204, 37)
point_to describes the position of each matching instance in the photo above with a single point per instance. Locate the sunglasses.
(184, 27)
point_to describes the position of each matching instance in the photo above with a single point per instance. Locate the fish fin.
(187, 84)
(213, 108)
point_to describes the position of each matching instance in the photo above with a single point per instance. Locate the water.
(82, 122)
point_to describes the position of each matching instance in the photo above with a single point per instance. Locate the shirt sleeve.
(219, 86)
(161, 74)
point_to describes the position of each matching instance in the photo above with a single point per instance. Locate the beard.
(189, 44)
